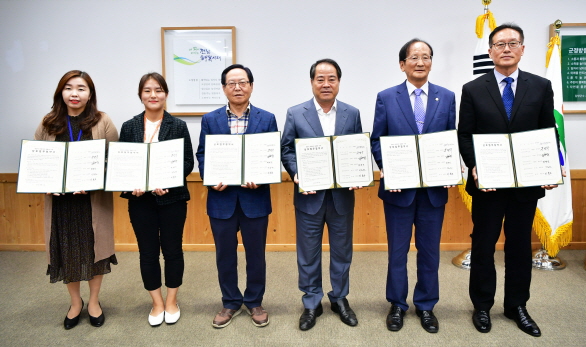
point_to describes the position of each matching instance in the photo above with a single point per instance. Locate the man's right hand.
(297, 182)
(476, 181)
(390, 190)
(220, 187)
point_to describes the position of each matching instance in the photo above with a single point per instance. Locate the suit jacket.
(171, 128)
(254, 202)
(302, 121)
(482, 112)
(393, 115)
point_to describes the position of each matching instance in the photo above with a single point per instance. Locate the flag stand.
(542, 261)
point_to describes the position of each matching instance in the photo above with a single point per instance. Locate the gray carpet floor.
(32, 309)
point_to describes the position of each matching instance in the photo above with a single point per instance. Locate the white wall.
(117, 41)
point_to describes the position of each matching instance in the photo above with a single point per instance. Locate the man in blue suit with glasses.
(415, 106)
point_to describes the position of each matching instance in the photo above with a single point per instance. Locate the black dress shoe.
(309, 316)
(70, 323)
(523, 319)
(395, 318)
(342, 307)
(97, 321)
(428, 321)
(481, 320)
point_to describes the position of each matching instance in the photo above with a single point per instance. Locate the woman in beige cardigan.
(79, 229)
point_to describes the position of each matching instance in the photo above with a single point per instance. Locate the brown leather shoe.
(224, 317)
(260, 317)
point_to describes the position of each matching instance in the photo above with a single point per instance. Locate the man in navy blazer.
(245, 208)
(322, 116)
(483, 111)
(413, 107)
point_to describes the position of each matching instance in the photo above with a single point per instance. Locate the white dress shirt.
(327, 120)
(411, 89)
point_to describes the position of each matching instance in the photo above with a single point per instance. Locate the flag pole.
(462, 260)
(541, 258)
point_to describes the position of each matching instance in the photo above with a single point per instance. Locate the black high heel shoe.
(71, 323)
(97, 321)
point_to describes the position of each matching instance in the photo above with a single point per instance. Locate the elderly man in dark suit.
(415, 106)
(323, 115)
(244, 208)
(505, 100)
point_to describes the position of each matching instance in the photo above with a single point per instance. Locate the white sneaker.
(155, 321)
(172, 318)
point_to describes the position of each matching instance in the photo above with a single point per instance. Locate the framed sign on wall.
(193, 60)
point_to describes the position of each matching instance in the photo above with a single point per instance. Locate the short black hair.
(237, 66)
(405, 49)
(327, 61)
(503, 27)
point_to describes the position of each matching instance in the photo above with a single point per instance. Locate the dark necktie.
(508, 96)
(418, 110)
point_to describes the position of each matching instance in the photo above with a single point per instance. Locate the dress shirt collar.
(320, 109)
(411, 87)
(499, 79)
(230, 113)
(499, 76)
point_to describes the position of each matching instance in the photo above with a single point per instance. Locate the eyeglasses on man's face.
(499, 46)
(414, 59)
(241, 84)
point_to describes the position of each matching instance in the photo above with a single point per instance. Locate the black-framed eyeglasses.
(499, 46)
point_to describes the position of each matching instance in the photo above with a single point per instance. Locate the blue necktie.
(508, 96)
(418, 110)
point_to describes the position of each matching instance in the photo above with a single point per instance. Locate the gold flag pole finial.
(557, 25)
(554, 40)
(480, 20)
(486, 3)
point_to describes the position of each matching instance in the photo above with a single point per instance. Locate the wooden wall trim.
(578, 174)
(21, 219)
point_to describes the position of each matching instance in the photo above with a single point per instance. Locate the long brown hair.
(55, 122)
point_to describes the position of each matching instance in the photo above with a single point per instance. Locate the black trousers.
(159, 228)
(488, 211)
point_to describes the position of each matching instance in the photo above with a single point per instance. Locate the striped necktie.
(508, 96)
(418, 110)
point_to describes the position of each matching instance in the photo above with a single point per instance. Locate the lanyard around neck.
(71, 131)
(154, 132)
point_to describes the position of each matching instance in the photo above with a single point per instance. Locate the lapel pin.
(436, 99)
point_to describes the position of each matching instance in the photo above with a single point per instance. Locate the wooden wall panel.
(579, 208)
(21, 219)
(21, 222)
